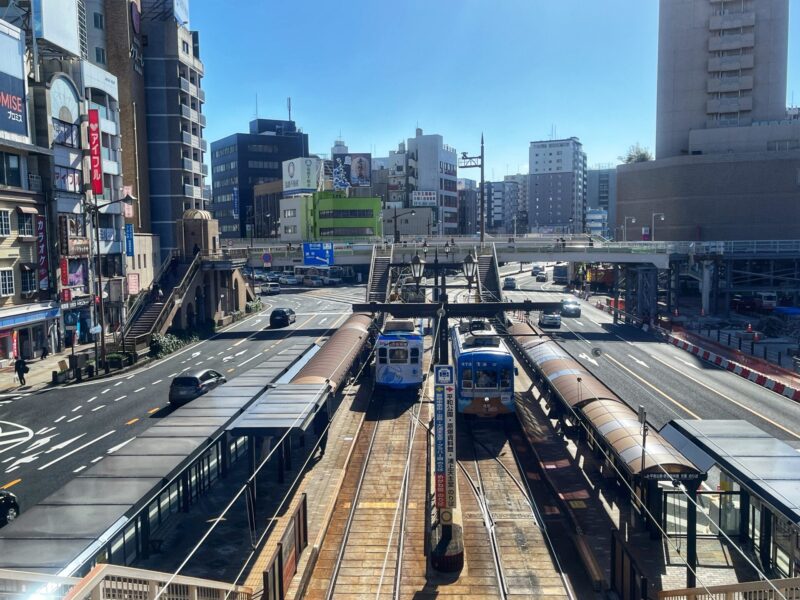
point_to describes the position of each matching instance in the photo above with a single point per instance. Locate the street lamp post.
(653, 225)
(411, 212)
(625, 227)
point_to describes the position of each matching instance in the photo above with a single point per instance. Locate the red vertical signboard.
(64, 272)
(94, 152)
(43, 267)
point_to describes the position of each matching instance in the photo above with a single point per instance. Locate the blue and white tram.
(398, 355)
(484, 370)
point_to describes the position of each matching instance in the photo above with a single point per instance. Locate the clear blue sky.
(376, 69)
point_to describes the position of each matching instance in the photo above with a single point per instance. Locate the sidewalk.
(41, 371)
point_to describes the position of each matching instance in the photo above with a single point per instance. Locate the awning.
(27, 267)
(28, 210)
(33, 149)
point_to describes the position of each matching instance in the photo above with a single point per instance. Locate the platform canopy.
(283, 407)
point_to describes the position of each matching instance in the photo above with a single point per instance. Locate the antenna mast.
(289, 106)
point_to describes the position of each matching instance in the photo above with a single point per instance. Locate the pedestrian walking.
(321, 422)
(21, 368)
(45, 351)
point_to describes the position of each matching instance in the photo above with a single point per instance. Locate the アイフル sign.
(95, 156)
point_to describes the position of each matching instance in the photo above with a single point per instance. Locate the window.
(486, 378)
(66, 134)
(346, 231)
(382, 356)
(185, 46)
(289, 213)
(100, 55)
(290, 229)
(5, 222)
(25, 224)
(466, 378)
(355, 213)
(99, 21)
(265, 148)
(10, 173)
(398, 356)
(28, 280)
(6, 282)
(263, 164)
(68, 180)
(224, 151)
(415, 356)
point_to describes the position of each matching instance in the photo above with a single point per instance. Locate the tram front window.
(486, 378)
(398, 356)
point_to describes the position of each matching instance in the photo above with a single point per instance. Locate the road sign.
(444, 419)
(318, 254)
(450, 445)
(439, 446)
(267, 257)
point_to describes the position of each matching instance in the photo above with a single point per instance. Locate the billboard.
(95, 157)
(351, 170)
(301, 175)
(13, 113)
(423, 198)
(56, 22)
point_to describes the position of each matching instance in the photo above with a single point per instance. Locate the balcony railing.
(186, 111)
(732, 21)
(729, 105)
(731, 42)
(730, 63)
(730, 84)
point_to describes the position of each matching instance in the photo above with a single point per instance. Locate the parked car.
(312, 281)
(328, 280)
(9, 507)
(541, 277)
(270, 289)
(273, 277)
(288, 280)
(550, 320)
(281, 317)
(570, 307)
(509, 283)
(192, 384)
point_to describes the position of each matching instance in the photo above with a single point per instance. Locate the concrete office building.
(557, 188)
(267, 203)
(173, 73)
(243, 160)
(597, 222)
(468, 206)
(502, 207)
(433, 167)
(329, 216)
(601, 193)
(416, 225)
(726, 148)
(395, 175)
(522, 180)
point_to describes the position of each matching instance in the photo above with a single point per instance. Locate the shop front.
(77, 321)
(26, 330)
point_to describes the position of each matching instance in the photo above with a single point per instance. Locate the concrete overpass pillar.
(706, 284)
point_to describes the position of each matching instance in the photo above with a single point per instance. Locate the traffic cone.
(749, 328)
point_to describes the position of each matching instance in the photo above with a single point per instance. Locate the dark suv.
(192, 384)
(9, 508)
(281, 317)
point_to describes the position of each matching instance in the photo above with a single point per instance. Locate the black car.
(281, 317)
(192, 384)
(570, 307)
(9, 507)
(541, 277)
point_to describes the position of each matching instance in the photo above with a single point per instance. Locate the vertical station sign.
(445, 436)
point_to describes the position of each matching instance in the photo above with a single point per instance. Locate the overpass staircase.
(378, 284)
(150, 315)
(489, 276)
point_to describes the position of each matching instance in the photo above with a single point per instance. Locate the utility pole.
(470, 162)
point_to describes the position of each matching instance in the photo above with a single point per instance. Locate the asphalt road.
(48, 437)
(670, 383)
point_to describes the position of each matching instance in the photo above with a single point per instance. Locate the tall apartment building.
(522, 180)
(502, 207)
(720, 64)
(601, 193)
(241, 161)
(557, 188)
(726, 149)
(398, 178)
(174, 97)
(433, 168)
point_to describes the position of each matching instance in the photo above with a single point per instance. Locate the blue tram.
(484, 370)
(398, 355)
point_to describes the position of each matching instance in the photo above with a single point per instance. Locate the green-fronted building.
(330, 216)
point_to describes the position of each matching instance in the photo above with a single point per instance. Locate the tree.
(635, 154)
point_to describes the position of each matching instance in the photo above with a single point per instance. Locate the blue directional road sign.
(318, 254)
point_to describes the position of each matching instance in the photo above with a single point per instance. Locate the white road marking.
(323, 320)
(197, 364)
(241, 364)
(39, 443)
(64, 444)
(240, 352)
(9, 459)
(220, 352)
(172, 375)
(92, 399)
(579, 323)
(686, 362)
(157, 381)
(130, 376)
(120, 398)
(45, 430)
(77, 408)
(138, 390)
(22, 461)
(79, 469)
(227, 358)
(98, 459)
(194, 354)
(74, 419)
(96, 408)
(118, 446)
(587, 357)
(79, 448)
(641, 362)
(118, 383)
(105, 391)
(59, 419)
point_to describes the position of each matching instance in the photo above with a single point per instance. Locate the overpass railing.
(777, 588)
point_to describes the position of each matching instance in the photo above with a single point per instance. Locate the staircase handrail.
(496, 269)
(177, 293)
(371, 270)
(144, 293)
(478, 282)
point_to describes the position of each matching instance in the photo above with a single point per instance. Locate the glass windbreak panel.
(505, 378)
(398, 355)
(485, 378)
(675, 512)
(782, 545)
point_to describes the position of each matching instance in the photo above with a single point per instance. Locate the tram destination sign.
(445, 436)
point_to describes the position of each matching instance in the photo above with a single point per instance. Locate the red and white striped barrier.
(736, 368)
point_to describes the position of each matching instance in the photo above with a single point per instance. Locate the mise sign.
(444, 405)
(318, 254)
(13, 117)
(300, 175)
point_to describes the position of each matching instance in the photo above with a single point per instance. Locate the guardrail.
(787, 588)
(24, 585)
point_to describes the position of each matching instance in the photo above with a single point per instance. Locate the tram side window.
(382, 356)
(415, 356)
(466, 378)
(486, 378)
(505, 378)
(398, 356)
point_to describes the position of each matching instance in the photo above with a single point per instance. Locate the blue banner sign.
(128, 239)
(318, 254)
